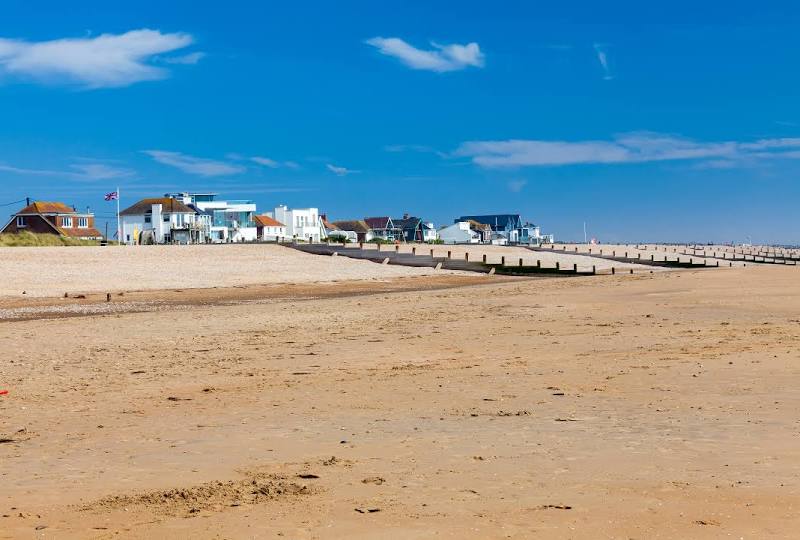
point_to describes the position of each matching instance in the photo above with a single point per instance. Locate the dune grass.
(28, 239)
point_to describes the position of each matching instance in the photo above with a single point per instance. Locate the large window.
(66, 221)
(21, 221)
(83, 222)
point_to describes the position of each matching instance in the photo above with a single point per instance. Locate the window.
(66, 221)
(21, 221)
(148, 218)
(166, 218)
(83, 222)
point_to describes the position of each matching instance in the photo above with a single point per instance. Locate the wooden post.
(538, 263)
(520, 261)
(449, 253)
(379, 246)
(594, 270)
(652, 258)
(431, 253)
(503, 260)
(413, 250)
(108, 297)
(558, 265)
(575, 268)
(466, 256)
(631, 270)
(613, 270)
(484, 258)
(397, 248)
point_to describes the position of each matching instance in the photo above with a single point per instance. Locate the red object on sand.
(3, 392)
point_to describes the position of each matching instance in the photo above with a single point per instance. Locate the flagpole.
(119, 230)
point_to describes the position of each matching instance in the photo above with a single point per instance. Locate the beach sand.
(648, 406)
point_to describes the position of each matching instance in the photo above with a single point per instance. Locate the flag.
(113, 196)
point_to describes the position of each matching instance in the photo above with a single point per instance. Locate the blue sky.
(677, 122)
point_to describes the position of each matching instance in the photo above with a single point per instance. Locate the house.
(459, 233)
(327, 225)
(484, 230)
(162, 220)
(269, 229)
(301, 223)
(509, 228)
(355, 230)
(230, 221)
(56, 218)
(413, 229)
(384, 228)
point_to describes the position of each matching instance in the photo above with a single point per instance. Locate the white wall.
(458, 233)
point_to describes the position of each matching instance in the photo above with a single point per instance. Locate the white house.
(230, 221)
(301, 223)
(162, 220)
(270, 229)
(459, 233)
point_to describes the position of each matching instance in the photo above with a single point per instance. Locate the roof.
(497, 221)
(266, 221)
(407, 223)
(89, 232)
(378, 222)
(355, 225)
(168, 206)
(480, 226)
(44, 207)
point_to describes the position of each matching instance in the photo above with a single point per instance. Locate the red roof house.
(42, 217)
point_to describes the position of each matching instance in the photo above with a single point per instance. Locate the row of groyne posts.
(426, 257)
(653, 260)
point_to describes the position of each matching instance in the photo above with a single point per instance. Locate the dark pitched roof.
(407, 223)
(44, 207)
(355, 225)
(496, 221)
(168, 206)
(266, 221)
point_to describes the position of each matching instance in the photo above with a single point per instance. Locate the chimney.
(27, 201)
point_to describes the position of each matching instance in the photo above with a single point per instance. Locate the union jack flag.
(113, 196)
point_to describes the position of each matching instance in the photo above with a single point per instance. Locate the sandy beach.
(648, 406)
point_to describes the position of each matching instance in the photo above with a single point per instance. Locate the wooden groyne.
(428, 260)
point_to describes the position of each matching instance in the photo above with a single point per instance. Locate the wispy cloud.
(515, 186)
(340, 171)
(80, 171)
(637, 147)
(441, 58)
(421, 148)
(194, 165)
(273, 163)
(186, 60)
(105, 61)
(601, 50)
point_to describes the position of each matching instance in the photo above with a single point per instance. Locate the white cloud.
(267, 162)
(274, 164)
(194, 165)
(186, 60)
(601, 51)
(105, 61)
(515, 186)
(635, 147)
(441, 58)
(340, 171)
(83, 171)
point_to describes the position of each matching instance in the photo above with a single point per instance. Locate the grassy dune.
(28, 239)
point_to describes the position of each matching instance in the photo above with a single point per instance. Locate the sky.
(648, 121)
